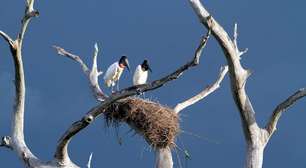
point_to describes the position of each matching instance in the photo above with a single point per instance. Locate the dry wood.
(256, 137)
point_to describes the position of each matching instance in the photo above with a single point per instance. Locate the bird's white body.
(140, 76)
(113, 74)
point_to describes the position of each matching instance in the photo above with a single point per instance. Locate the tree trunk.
(254, 158)
(163, 158)
(256, 137)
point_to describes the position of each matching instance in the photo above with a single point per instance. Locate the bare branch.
(19, 78)
(92, 74)
(30, 4)
(8, 39)
(238, 74)
(29, 13)
(208, 90)
(61, 152)
(18, 122)
(16, 142)
(271, 125)
(76, 58)
(235, 39)
(94, 62)
(89, 161)
(199, 50)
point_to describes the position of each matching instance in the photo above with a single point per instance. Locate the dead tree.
(121, 99)
(255, 136)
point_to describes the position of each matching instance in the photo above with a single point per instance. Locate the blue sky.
(166, 33)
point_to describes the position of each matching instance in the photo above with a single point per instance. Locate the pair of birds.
(114, 71)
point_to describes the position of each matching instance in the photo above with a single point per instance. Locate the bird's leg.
(138, 91)
(112, 88)
(118, 85)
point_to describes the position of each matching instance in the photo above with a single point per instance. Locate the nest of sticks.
(159, 125)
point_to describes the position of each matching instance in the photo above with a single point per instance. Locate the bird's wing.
(136, 75)
(111, 71)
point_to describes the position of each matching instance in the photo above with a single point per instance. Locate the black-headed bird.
(114, 72)
(141, 73)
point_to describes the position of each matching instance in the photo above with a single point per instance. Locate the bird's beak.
(149, 68)
(127, 65)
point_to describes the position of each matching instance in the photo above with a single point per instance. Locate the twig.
(89, 160)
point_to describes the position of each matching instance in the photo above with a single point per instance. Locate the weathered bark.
(256, 137)
(254, 156)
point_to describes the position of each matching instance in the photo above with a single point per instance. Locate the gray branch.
(30, 12)
(16, 141)
(17, 131)
(8, 39)
(89, 161)
(204, 93)
(61, 152)
(271, 125)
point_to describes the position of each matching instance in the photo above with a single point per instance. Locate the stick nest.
(159, 125)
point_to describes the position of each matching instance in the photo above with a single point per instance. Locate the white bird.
(114, 72)
(141, 73)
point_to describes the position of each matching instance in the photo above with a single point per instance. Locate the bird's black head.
(145, 66)
(124, 62)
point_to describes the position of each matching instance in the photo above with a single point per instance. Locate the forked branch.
(29, 13)
(61, 153)
(92, 74)
(16, 141)
(255, 136)
(238, 75)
